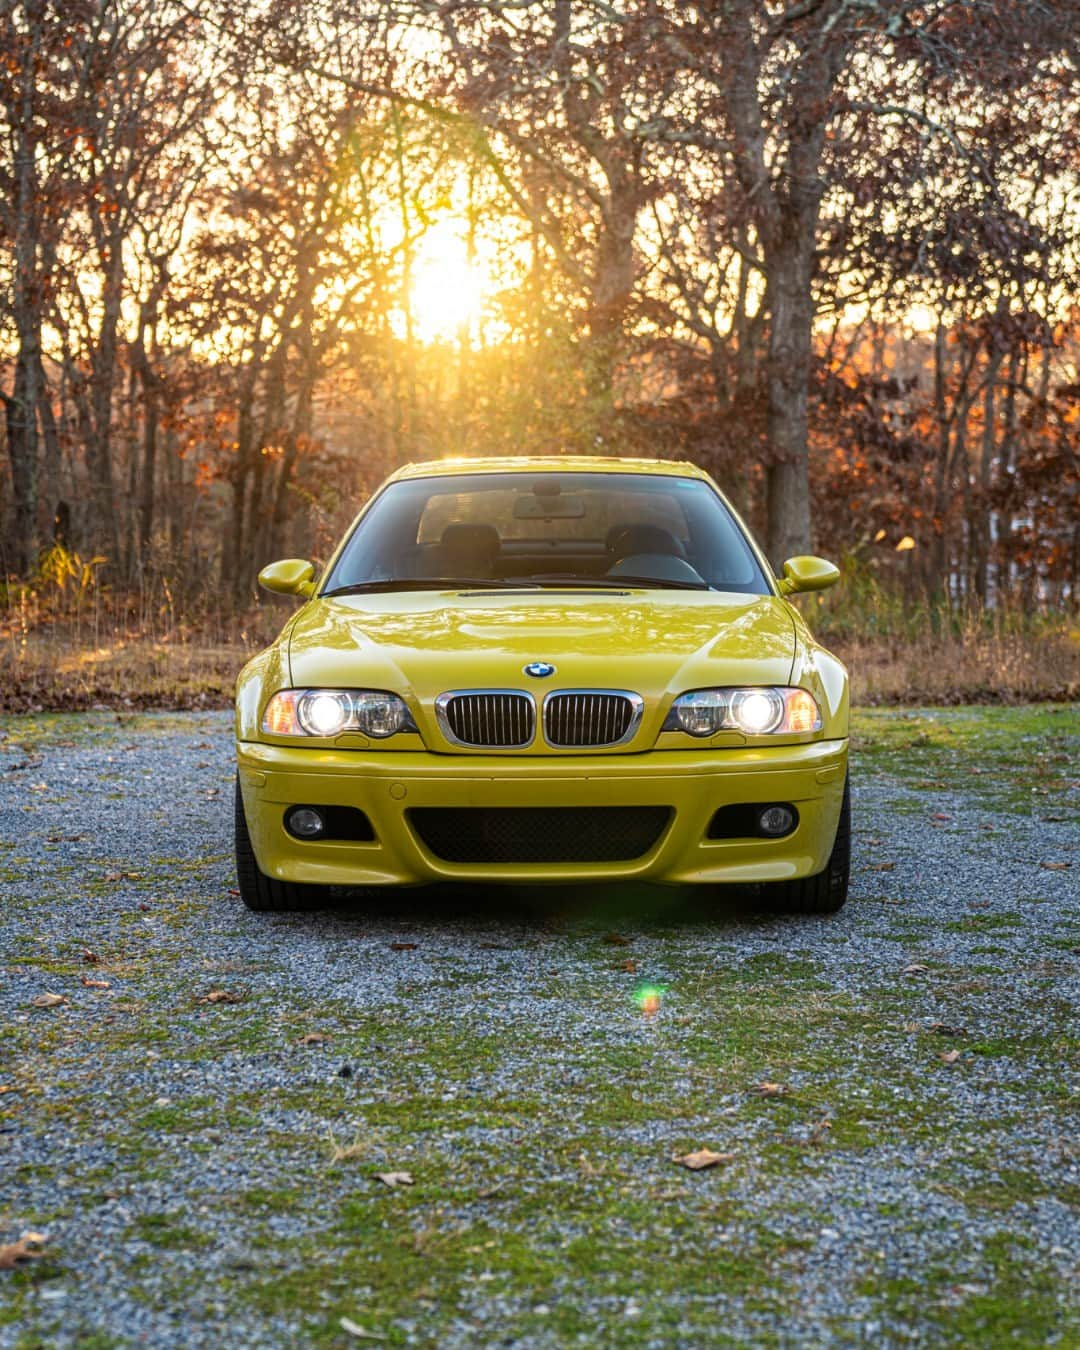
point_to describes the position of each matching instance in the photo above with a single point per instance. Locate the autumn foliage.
(828, 251)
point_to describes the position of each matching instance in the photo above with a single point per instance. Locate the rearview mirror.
(807, 573)
(290, 576)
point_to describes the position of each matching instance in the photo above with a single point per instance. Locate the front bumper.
(693, 784)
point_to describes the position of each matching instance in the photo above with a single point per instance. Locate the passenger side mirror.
(807, 573)
(290, 576)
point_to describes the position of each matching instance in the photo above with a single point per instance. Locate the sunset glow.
(447, 291)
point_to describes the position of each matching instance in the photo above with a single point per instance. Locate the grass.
(73, 651)
(546, 1207)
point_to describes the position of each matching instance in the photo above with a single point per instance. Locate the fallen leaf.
(617, 940)
(940, 815)
(91, 958)
(403, 946)
(361, 1333)
(943, 1029)
(915, 969)
(767, 1089)
(145, 908)
(949, 1056)
(393, 1179)
(27, 1248)
(311, 1038)
(630, 966)
(88, 983)
(234, 890)
(913, 1026)
(221, 996)
(881, 867)
(8, 1087)
(817, 1134)
(49, 1001)
(1055, 866)
(702, 1158)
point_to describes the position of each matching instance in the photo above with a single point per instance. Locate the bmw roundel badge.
(539, 670)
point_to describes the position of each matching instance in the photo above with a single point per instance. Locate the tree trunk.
(791, 311)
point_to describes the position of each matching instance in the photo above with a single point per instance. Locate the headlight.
(328, 712)
(754, 711)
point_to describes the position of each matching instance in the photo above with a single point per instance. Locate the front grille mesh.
(539, 834)
(496, 719)
(587, 718)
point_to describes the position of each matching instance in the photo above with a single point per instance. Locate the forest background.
(255, 255)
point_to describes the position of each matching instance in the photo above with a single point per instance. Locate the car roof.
(432, 468)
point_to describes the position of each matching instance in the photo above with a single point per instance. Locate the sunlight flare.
(447, 291)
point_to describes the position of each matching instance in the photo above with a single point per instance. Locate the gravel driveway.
(211, 1127)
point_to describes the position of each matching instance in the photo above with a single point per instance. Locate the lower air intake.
(539, 834)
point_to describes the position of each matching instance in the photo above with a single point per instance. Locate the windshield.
(547, 529)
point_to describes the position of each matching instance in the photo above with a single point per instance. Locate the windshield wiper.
(430, 584)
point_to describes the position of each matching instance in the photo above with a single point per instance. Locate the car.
(530, 670)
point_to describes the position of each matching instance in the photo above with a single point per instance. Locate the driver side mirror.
(807, 573)
(290, 576)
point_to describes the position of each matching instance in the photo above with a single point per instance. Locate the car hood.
(422, 644)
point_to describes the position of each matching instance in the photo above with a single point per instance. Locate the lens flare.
(649, 998)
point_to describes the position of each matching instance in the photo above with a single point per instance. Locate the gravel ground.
(199, 1127)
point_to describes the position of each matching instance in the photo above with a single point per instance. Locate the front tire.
(257, 890)
(826, 892)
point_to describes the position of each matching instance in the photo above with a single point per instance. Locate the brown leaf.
(881, 867)
(91, 958)
(8, 1087)
(616, 940)
(88, 983)
(949, 1056)
(50, 1001)
(767, 1089)
(312, 1038)
(221, 996)
(630, 966)
(393, 1179)
(916, 968)
(702, 1158)
(943, 1029)
(940, 815)
(1055, 866)
(27, 1248)
(403, 946)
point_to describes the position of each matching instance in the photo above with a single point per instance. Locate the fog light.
(776, 820)
(305, 822)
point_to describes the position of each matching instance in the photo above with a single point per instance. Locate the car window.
(542, 528)
(601, 510)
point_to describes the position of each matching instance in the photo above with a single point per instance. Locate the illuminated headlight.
(328, 712)
(754, 712)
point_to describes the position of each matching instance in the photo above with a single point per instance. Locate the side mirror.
(291, 576)
(807, 573)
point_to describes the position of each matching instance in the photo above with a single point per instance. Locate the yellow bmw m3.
(537, 670)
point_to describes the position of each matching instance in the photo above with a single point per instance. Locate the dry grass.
(53, 668)
(966, 668)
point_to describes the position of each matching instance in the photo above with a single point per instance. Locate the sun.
(447, 291)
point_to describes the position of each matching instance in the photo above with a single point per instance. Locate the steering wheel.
(662, 566)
